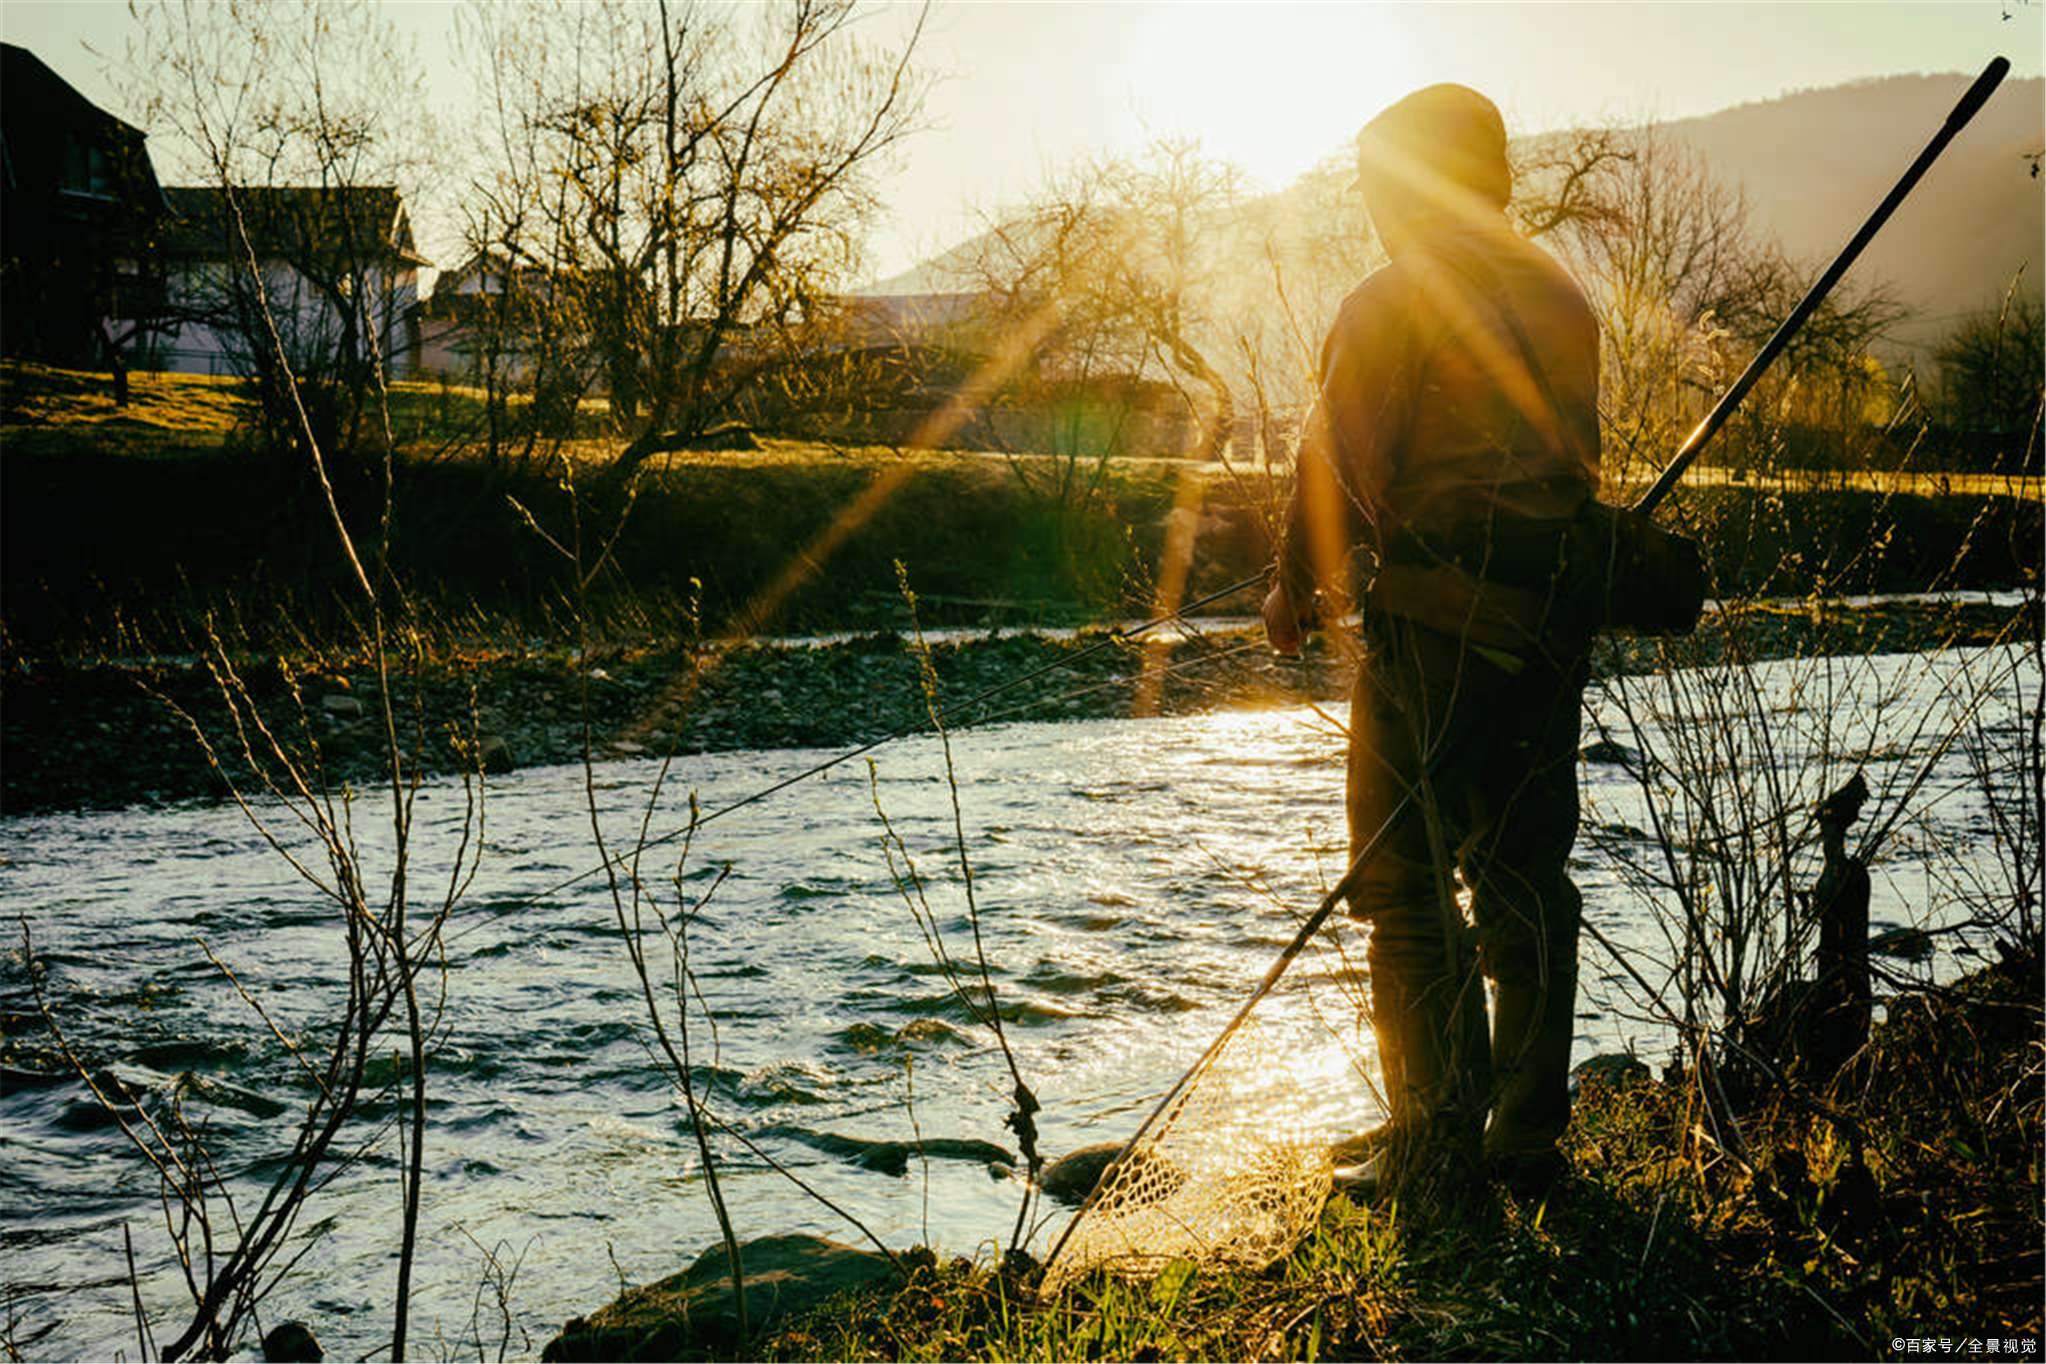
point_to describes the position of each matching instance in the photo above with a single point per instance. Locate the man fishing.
(1455, 437)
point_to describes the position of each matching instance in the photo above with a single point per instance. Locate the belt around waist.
(1514, 552)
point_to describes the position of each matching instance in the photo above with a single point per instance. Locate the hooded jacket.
(1432, 440)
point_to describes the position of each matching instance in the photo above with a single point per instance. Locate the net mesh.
(1234, 1171)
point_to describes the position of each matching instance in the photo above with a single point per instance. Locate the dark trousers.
(1489, 752)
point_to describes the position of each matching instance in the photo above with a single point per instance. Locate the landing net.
(1235, 1167)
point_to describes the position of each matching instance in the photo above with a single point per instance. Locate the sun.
(1274, 88)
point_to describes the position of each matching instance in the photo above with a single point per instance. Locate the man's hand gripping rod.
(1970, 103)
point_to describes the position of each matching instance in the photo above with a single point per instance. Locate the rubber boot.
(1429, 1054)
(1531, 1034)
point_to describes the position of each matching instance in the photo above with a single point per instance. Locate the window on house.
(87, 168)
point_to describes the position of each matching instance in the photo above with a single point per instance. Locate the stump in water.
(1839, 1016)
(1821, 1022)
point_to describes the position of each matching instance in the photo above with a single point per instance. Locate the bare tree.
(1174, 208)
(693, 180)
(299, 124)
(1075, 363)
(262, 93)
(1990, 367)
(516, 318)
(1122, 257)
(1684, 288)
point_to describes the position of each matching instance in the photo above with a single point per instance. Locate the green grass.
(46, 408)
(1582, 1275)
(108, 554)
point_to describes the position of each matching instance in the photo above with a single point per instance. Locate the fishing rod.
(1112, 639)
(1970, 104)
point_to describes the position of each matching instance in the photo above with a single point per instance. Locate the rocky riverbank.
(130, 732)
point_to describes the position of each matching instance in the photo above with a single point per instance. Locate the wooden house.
(339, 269)
(79, 210)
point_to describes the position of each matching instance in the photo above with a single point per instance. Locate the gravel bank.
(119, 734)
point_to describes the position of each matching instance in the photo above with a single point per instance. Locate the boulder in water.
(1909, 944)
(494, 755)
(293, 1342)
(1609, 752)
(1073, 1176)
(191, 1084)
(691, 1315)
(893, 1157)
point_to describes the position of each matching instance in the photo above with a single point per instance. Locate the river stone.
(1612, 1070)
(1607, 751)
(1908, 944)
(893, 1157)
(494, 755)
(341, 705)
(690, 1315)
(222, 1094)
(1073, 1176)
(292, 1343)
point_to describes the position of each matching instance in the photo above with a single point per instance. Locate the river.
(1134, 879)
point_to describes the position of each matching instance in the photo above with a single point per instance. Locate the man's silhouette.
(1455, 437)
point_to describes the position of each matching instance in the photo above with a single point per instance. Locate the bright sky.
(1274, 87)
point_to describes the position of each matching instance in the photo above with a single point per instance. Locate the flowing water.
(1134, 880)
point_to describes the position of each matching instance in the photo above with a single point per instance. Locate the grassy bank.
(132, 542)
(104, 553)
(1897, 1203)
(126, 534)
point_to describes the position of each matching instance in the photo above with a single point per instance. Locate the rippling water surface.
(1135, 878)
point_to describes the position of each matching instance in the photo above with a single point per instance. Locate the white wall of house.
(307, 321)
(449, 350)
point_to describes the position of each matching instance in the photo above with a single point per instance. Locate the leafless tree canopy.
(1685, 288)
(297, 127)
(684, 184)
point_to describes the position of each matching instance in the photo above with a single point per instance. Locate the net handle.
(1970, 103)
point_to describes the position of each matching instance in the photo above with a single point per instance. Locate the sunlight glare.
(1263, 87)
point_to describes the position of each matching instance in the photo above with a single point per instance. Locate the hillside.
(1813, 163)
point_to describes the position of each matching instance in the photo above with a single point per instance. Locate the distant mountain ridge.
(1813, 163)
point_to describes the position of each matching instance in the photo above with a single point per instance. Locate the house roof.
(477, 310)
(484, 272)
(288, 220)
(41, 115)
(882, 318)
(28, 87)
